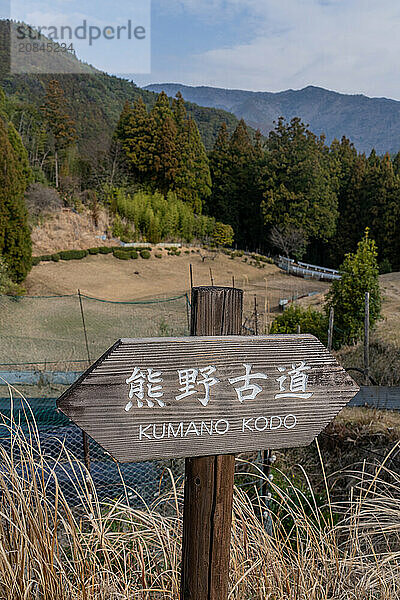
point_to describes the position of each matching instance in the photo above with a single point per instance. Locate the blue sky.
(350, 46)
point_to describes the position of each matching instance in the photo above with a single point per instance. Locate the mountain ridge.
(368, 122)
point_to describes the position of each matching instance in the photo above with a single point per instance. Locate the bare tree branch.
(289, 240)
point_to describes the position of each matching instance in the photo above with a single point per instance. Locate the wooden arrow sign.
(168, 398)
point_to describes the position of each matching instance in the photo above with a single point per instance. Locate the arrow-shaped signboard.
(168, 398)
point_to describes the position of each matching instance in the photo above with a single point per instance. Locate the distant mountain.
(368, 122)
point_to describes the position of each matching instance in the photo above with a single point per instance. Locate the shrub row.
(121, 253)
(125, 254)
(128, 253)
(73, 254)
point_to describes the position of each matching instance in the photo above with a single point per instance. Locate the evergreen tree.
(21, 154)
(193, 178)
(396, 164)
(241, 153)
(220, 167)
(360, 274)
(382, 193)
(123, 121)
(15, 240)
(299, 184)
(60, 123)
(139, 143)
(165, 139)
(180, 114)
(236, 169)
(349, 169)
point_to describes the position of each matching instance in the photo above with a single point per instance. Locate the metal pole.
(330, 330)
(366, 339)
(85, 439)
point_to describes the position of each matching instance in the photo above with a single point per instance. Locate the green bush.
(310, 321)
(45, 257)
(121, 255)
(73, 254)
(106, 250)
(94, 250)
(134, 254)
(35, 261)
(55, 257)
(145, 254)
(158, 255)
(223, 235)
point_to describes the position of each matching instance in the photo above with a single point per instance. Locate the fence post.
(85, 439)
(330, 330)
(255, 316)
(209, 480)
(366, 339)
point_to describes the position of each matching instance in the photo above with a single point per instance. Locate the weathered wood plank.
(183, 426)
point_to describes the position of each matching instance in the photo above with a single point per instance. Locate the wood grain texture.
(97, 401)
(209, 480)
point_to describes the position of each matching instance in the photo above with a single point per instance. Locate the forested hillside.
(95, 102)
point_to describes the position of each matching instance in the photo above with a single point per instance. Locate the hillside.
(95, 99)
(368, 122)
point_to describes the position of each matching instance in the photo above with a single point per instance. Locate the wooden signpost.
(209, 396)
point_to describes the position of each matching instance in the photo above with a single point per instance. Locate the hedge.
(106, 249)
(121, 255)
(55, 257)
(145, 254)
(94, 250)
(73, 254)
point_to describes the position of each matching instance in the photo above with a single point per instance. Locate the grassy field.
(45, 329)
(112, 279)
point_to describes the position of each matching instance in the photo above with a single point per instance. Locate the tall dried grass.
(52, 551)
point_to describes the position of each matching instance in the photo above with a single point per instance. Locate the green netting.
(49, 330)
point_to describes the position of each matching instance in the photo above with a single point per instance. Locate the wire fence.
(61, 334)
(60, 442)
(43, 331)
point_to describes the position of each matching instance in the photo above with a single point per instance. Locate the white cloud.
(347, 45)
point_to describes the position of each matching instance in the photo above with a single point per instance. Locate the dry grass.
(384, 358)
(112, 552)
(69, 230)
